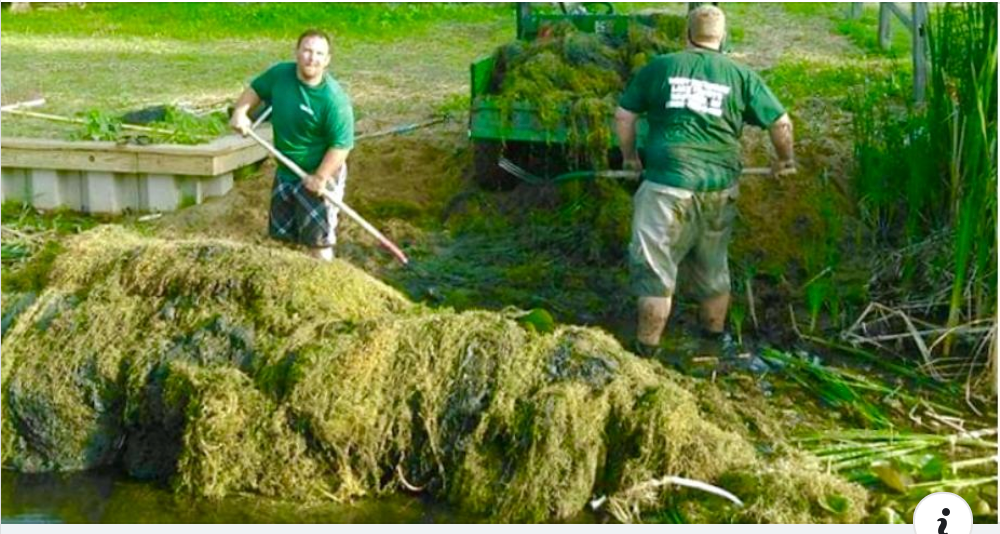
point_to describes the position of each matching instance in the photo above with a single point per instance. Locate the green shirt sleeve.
(340, 123)
(763, 107)
(634, 98)
(263, 84)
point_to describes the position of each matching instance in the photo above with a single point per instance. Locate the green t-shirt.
(307, 121)
(697, 102)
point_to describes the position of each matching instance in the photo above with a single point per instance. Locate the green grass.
(31, 241)
(197, 22)
(800, 78)
(863, 31)
(398, 62)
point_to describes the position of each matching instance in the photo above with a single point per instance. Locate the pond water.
(109, 497)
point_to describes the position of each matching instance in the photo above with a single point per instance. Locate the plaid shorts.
(671, 226)
(300, 216)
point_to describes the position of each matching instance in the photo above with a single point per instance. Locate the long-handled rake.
(526, 176)
(384, 241)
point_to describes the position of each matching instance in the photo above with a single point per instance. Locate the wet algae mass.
(574, 78)
(225, 368)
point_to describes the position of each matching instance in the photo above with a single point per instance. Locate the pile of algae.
(573, 79)
(228, 369)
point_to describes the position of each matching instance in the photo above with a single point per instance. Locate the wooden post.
(899, 13)
(884, 26)
(856, 8)
(919, 31)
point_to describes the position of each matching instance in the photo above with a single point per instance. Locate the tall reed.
(924, 169)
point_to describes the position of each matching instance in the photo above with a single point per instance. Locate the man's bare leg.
(653, 314)
(325, 253)
(713, 313)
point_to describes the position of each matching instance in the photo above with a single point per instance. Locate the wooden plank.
(235, 160)
(236, 143)
(85, 160)
(919, 31)
(174, 164)
(242, 151)
(100, 146)
(220, 146)
(37, 143)
(884, 26)
(200, 160)
(108, 146)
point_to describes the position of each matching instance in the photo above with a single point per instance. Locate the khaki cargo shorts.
(672, 225)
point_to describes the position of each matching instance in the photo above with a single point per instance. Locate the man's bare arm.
(784, 142)
(625, 122)
(240, 120)
(328, 168)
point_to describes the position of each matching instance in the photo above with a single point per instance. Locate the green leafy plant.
(192, 129)
(100, 126)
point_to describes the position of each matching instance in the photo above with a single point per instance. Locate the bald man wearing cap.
(696, 102)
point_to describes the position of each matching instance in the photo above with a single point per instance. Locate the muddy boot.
(722, 345)
(715, 353)
(718, 344)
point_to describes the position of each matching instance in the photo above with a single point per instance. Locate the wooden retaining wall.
(105, 177)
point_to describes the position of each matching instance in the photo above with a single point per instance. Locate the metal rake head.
(519, 172)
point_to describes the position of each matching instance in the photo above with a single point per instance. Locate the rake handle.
(384, 241)
(634, 175)
(523, 174)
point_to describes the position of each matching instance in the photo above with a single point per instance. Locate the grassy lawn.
(121, 57)
(862, 31)
(399, 62)
(196, 22)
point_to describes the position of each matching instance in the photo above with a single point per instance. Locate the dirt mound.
(403, 177)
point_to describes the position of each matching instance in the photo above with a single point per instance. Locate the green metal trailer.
(521, 136)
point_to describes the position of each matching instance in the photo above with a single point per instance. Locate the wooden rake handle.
(384, 241)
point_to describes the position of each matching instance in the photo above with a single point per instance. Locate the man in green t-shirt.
(313, 124)
(696, 102)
